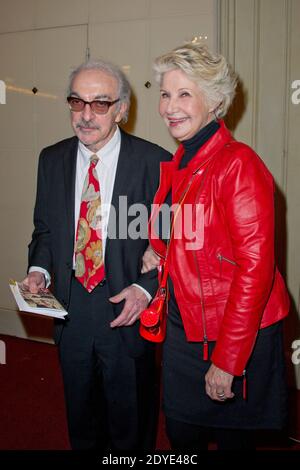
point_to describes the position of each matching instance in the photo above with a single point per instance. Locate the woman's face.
(182, 105)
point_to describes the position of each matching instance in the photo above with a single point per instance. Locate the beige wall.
(40, 41)
(262, 40)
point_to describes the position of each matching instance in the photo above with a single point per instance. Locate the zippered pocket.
(222, 259)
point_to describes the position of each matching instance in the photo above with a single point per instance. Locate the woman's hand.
(218, 384)
(150, 260)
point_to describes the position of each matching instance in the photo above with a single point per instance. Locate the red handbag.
(153, 320)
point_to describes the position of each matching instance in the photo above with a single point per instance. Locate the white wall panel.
(17, 71)
(126, 44)
(56, 51)
(170, 8)
(17, 190)
(59, 13)
(115, 10)
(16, 15)
(272, 90)
(245, 65)
(20, 15)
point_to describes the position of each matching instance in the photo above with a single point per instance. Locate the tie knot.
(94, 159)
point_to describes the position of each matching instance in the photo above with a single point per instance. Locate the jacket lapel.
(69, 159)
(124, 171)
(124, 174)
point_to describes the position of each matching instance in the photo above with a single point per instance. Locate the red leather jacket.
(225, 280)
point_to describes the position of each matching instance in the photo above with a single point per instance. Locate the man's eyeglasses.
(97, 106)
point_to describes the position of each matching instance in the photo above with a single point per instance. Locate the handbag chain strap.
(165, 265)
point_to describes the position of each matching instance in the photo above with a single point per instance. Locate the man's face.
(95, 130)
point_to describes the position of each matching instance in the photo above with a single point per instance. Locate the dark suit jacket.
(52, 244)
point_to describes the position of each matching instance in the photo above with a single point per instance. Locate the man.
(107, 368)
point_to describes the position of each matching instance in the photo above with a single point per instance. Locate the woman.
(227, 299)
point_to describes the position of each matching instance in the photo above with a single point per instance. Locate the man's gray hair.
(110, 69)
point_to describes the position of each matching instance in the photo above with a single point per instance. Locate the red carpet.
(32, 412)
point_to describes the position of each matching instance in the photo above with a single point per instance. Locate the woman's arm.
(248, 202)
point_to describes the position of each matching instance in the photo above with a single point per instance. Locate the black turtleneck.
(192, 145)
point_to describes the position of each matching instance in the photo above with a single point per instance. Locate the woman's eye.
(184, 94)
(164, 95)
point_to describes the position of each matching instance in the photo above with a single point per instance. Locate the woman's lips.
(173, 122)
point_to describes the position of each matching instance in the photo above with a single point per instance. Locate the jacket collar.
(176, 179)
(212, 146)
(169, 170)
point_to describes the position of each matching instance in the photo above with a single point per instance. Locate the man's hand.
(135, 302)
(218, 384)
(34, 281)
(150, 260)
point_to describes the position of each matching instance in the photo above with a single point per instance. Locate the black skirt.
(184, 396)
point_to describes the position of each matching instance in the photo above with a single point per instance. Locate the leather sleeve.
(248, 198)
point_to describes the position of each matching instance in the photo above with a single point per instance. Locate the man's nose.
(87, 112)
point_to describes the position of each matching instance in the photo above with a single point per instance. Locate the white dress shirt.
(106, 170)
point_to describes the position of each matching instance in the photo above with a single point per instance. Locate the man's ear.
(121, 112)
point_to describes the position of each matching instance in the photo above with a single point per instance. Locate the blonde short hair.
(211, 72)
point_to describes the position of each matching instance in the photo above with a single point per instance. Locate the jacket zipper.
(222, 258)
(205, 339)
